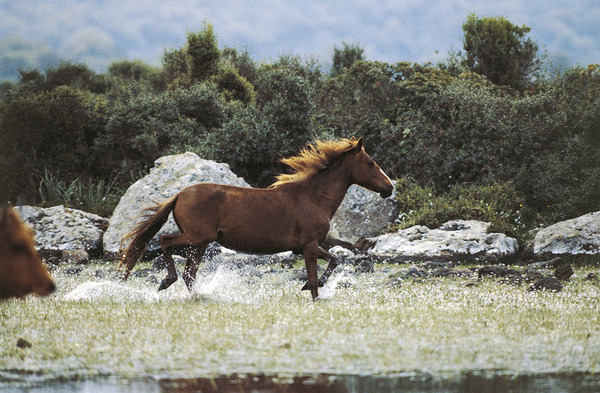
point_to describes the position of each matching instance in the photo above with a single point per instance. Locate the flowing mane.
(314, 158)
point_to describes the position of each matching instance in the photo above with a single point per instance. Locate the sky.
(39, 33)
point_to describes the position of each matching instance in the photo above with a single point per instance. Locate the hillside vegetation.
(525, 138)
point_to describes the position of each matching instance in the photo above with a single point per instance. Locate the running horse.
(21, 269)
(293, 214)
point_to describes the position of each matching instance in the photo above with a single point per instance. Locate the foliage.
(202, 53)
(97, 196)
(135, 70)
(54, 129)
(233, 85)
(146, 126)
(464, 123)
(242, 62)
(499, 204)
(255, 138)
(499, 50)
(345, 56)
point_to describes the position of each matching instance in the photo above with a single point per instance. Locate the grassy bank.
(257, 320)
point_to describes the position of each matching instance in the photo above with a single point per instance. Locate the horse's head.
(21, 268)
(366, 173)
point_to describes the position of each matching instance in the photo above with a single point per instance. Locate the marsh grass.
(97, 196)
(236, 322)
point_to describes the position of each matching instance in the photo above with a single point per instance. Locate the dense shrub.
(498, 204)
(257, 137)
(47, 129)
(147, 126)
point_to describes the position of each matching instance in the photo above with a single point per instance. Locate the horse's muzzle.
(387, 192)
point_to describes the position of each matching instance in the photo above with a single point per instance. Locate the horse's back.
(248, 219)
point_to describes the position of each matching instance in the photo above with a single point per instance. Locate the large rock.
(580, 235)
(170, 175)
(59, 228)
(363, 213)
(457, 239)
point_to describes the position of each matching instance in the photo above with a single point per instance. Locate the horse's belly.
(269, 239)
(253, 246)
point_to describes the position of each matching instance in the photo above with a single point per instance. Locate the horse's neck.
(329, 188)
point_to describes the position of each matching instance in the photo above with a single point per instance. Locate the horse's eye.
(372, 164)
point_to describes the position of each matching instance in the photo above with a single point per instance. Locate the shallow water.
(368, 332)
(258, 383)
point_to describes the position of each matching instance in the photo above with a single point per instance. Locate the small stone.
(22, 343)
(532, 275)
(547, 284)
(75, 256)
(563, 273)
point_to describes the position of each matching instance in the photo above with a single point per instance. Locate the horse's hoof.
(164, 284)
(321, 285)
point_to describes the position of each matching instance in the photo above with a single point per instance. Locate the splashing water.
(343, 279)
(225, 285)
(109, 291)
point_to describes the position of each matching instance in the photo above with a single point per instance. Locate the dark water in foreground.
(468, 382)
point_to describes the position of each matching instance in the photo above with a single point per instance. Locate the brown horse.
(21, 269)
(293, 214)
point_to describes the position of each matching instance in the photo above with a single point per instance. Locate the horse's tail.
(143, 233)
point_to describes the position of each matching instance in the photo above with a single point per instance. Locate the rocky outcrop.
(580, 235)
(170, 175)
(454, 239)
(59, 228)
(363, 213)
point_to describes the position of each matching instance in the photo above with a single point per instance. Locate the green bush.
(496, 203)
(45, 129)
(147, 126)
(258, 136)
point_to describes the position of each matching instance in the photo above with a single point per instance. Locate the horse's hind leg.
(171, 271)
(195, 254)
(165, 243)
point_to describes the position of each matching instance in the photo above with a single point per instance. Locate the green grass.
(97, 196)
(237, 322)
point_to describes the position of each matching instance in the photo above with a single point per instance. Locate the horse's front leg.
(310, 253)
(333, 262)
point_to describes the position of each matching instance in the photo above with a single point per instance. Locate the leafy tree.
(500, 51)
(233, 85)
(257, 136)
(76, 75)
(202, 53)
(146, 126)
(344, 57)
(135, 70)
(31, 76)
(242, 62)
(45, 129)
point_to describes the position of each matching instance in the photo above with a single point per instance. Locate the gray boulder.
(363, 213)
(579, 235)
(170, 175)
(457, 239)
(59, 228)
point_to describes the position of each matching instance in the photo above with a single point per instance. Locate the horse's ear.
(359, 144)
